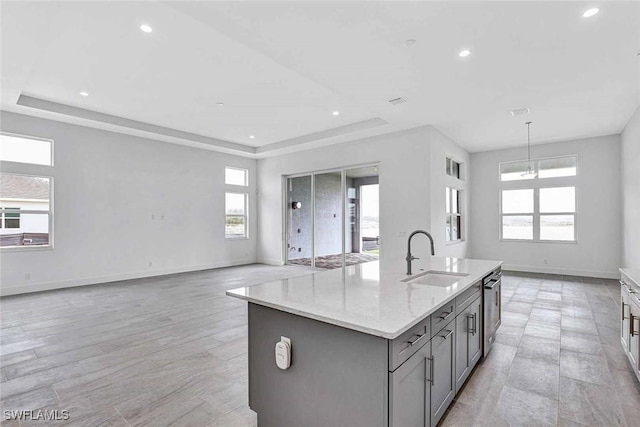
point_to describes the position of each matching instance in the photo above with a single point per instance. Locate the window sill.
(454, 242)
(236, 238)
(25, 248)
(562, 242)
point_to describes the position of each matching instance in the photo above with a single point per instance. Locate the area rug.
(330, 262)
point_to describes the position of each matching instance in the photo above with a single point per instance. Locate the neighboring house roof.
(23, 187)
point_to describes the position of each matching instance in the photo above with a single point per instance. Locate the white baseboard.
(564, 271)
(47, 286)
(270, 262)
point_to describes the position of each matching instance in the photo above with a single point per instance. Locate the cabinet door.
(475, 335)
(634, 333)
(410, 391)
(624, 327)
(468, 341)
(443, 386)
(463, 325)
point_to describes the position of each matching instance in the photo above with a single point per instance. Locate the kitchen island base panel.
(337, 376)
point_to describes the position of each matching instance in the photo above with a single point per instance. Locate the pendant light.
(530, 172)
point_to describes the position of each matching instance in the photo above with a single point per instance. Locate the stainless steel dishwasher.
(492, 303)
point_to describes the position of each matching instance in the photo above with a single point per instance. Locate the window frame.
(49, 213)
(246, 176)
(449, 214)
(536, 164)
(245, 216)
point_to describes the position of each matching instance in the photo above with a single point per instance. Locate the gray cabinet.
(443, 386)
(468, 341)
(630, 321)
(410, 391)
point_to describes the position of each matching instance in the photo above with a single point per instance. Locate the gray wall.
(631, 191)
(107, 186)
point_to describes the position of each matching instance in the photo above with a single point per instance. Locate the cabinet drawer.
(443, 316)
(401, 348)
(467, 297)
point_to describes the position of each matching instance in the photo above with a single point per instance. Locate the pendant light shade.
(531, 170)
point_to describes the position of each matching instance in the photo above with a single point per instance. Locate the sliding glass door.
(332, 218)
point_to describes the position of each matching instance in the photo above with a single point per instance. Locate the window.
(557, 213)
(25, 210)
(539, 214)
(517, 214)
(236, 176)
(554, 167)
(453, 213)
(453, 168)
(539, 207)
(10, 217)
(236, 215)
(22, 149)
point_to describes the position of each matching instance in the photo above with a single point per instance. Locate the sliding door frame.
(343, 194)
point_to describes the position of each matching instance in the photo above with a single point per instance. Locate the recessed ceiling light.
(589, 13)
(409, 42)
(83, 93)
(145, 28)
(336, 113)
(220, 104)
(251, 136)
(464, 53)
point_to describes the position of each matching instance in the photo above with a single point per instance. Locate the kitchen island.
(366, 346)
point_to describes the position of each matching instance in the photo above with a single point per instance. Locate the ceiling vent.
(520, 112)
(397, 101)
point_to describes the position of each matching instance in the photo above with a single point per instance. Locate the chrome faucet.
(411, 257)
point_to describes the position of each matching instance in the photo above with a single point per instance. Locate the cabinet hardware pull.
(419, 337)
(473, 329)
(431, 379)
(632, 330)
(444, 337)
(443, 317)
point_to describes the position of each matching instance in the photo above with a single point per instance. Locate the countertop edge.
(632, 273)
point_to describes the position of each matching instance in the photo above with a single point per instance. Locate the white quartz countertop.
(632, 273)
(365, 297)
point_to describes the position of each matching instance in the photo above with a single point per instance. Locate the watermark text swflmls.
(36, 415)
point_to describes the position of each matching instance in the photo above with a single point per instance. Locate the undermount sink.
(435, 278)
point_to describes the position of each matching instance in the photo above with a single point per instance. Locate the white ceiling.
(282, 68)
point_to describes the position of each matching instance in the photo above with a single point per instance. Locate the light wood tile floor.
(172, 351)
